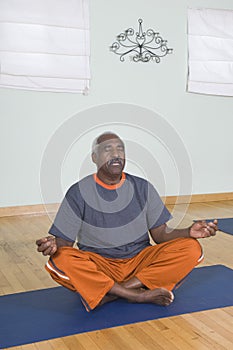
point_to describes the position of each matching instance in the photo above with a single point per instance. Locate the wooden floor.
(22, 270)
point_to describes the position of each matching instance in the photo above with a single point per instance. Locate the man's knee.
(194, 248)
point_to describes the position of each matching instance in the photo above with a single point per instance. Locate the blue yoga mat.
(56, 312)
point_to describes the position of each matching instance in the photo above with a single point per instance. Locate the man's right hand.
(47, 245)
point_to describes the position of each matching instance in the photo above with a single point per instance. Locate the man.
(110, 214)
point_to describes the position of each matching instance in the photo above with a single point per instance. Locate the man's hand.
(202, 229)
(47, 245)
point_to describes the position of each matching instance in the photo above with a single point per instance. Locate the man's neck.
(109, 179)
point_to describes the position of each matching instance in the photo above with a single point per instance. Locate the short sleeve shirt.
(110, 220)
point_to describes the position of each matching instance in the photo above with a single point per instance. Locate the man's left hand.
(203, 229)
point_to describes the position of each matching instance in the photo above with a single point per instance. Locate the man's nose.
(115, 153)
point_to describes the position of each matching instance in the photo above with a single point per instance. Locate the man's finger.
(45, 246)
(41, 240)
(54, 249)
(47, 251)
(213, 225)
(44, 239)
(201, 224)
(207, 232)
(212, 231)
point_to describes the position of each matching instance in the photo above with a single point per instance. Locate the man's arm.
(49, 245)
(200, 229)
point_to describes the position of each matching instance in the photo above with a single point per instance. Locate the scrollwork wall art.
(140, 46)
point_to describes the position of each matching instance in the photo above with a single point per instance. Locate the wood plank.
(152, 331)
(115, 338)
(30, 347)
(213, 321)
(58, 344)
(181, 325)
(137, 338)
(44, 345)
(215, 339)
(72, 342)
(87, 342)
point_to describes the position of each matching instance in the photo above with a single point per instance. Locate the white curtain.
(45, 45)
(210, 51)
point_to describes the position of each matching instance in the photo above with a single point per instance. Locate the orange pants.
(92, 276)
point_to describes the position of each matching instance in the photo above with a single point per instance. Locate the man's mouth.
(115, 162)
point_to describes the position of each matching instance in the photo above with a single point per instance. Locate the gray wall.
(202, 123)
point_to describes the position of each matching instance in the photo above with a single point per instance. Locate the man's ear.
(94, 157)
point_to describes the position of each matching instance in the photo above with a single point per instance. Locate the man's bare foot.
(133, 283)
(107, 299)
(159, 296)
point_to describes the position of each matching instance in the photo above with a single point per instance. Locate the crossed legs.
(147, 278)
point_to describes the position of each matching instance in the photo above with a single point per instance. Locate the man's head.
(108, 153)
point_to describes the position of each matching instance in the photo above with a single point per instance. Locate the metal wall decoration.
(144, 46)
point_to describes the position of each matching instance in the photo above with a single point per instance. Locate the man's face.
(110, 155)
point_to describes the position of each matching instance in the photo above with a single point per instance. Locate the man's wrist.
(189, 230)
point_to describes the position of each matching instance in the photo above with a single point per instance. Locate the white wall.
(204, 123)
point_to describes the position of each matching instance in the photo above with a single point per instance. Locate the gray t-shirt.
(112, 221)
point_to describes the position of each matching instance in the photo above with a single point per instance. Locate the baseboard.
(38, 209)
(198, 198)
(43, 209)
